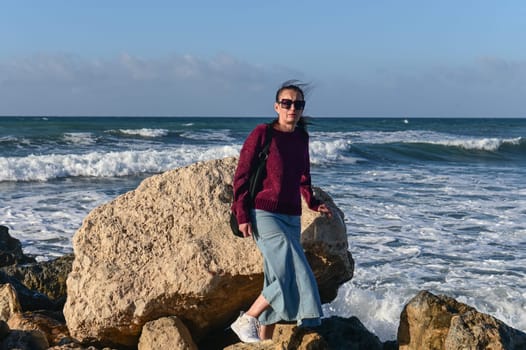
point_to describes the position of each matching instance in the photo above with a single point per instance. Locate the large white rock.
(166, 249)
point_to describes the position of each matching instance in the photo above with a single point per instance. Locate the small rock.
(25, 340)
(11, 250)
(166, 333)
(54, 330)
(9, 303)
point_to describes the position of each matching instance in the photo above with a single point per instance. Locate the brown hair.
(295, 85)
(299, 87)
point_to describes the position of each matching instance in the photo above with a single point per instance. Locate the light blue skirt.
(289, 284)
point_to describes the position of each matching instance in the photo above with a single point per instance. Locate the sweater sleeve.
(306, 186)
(247, 159)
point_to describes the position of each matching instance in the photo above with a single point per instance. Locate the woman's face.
(292, 115)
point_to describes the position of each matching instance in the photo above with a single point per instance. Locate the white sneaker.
(246, 328)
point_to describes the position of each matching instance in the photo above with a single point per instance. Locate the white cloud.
(64, 84)
(486, 72)
(487, 87)
(131, 85)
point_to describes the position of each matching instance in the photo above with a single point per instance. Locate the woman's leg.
(266, 331)
(257, 307)
(260, 305)
(289, 286)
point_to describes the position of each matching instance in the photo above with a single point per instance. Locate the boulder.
(440, 322)
(54, 330)
(11, 250)
(475, 330)
(326, 246)
(166, 249)
(166, 333)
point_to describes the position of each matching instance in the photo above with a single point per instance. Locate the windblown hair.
(300, 88)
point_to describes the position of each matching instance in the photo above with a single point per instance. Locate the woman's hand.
(246, 229)
(325, 210)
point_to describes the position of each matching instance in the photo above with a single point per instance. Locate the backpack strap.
(256, 178)
(268, 139)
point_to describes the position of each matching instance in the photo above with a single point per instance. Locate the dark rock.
(4, 330)
(349, 334)
(391, 345)
(29, 300)
(335, 333)
(330, 276)
(25, 340)
(47, 277)
(11, 250)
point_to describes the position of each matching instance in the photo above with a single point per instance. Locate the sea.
(431, 203)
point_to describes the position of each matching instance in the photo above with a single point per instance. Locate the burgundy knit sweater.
(288, 174)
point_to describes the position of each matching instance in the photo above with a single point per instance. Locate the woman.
(290, 292)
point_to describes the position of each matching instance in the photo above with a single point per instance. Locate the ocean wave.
(106, 164)
(420, 145)
(322, 152)
(423, 137)
(209, 135)
(380, 137)
(8, 139)
(380, 312)
(80, 138)
(144, 132)
(13, 141)
(483, 144)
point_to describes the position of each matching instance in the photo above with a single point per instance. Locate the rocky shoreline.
(157, 268)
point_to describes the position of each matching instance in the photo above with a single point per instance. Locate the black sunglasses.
(287, 103)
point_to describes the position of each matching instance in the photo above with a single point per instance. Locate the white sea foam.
(133, 162)
(420, 136)
(105, 164)
(144, 132)
(483, 144)
(378, 310)
(80, 138)
(209, 135)
(8, 138)
(456, 231)
(331, 151)
(44, 219)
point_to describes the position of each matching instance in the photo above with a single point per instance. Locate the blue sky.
(226, 58)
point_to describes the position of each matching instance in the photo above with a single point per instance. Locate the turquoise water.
(437, 204)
